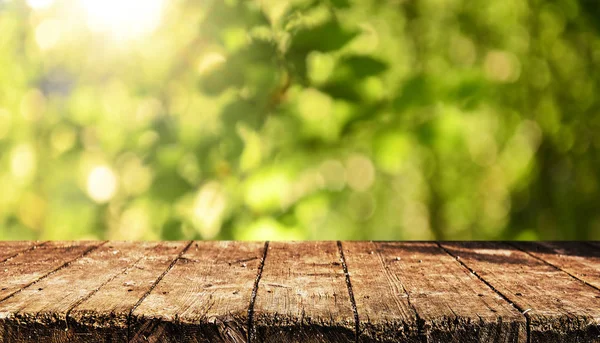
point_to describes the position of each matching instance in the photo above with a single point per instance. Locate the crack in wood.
(255, 292)
(350, 292)
(553, 266)
(523, 312)
(154, 284)
(64, 265)
(94, 291)
(422, 281)
(387, 272)
(20, 252)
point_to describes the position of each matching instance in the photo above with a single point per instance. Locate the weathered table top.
(299, 292)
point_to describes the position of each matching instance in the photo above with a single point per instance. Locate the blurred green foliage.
(301, 119)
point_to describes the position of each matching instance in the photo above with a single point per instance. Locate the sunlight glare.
(101, 184)
(123, 19)
(39, 4)
(47, 34)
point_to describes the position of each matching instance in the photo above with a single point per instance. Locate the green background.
(282, 119)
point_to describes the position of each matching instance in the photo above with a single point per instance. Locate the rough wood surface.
(24, 269)
(454, 305)
(384, 311)
(11, 249)
(302, 295)
(582, 261)
(238, 292)
(106, 312)
(559, 307)
(42, 309)
(205, 296)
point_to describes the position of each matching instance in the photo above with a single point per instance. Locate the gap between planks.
(95, 290)
(23, 251)
(153, 287)
(553, 265)
(259, 274)
(350, 292)
(523, 312)
(250, 329)
(62, 266)
(98, 288)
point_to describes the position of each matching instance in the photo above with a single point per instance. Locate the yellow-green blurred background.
(299, 119)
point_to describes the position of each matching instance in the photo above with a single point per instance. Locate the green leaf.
(358, 67)
(172, 230)
(238, 69)
(340, 3)
(169, 186)
(349, 72)
(326, 37)
(417, 91)
(242, 111)
(223, 15)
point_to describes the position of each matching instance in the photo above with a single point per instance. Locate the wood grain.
(33, 264)
(302, 295)
(578, 259)
(299, 292)
(559, 308)
(9, 249)
(454, 305)
(385, 314)
(205, 297)
(105, 315)
(42, 309)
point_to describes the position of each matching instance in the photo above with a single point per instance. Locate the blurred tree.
(299, 119)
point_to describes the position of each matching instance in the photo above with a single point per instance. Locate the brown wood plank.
(9, 249)
(204, 298)
(576, 258)
(385, 314)
(26, 268)
(454, 305)
(105, 315)
(302, 295)
(41, 310)
(559, 307)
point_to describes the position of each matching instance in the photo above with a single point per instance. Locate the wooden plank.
(42, 309)
(105, 315)
(576, 258)
(453, 304)
(559, 308)
(220, 291)
(204, 298)
(385, 314)
(9, 249)
(28, 267)
(302, 295)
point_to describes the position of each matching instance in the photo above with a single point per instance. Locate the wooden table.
(299, 292)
